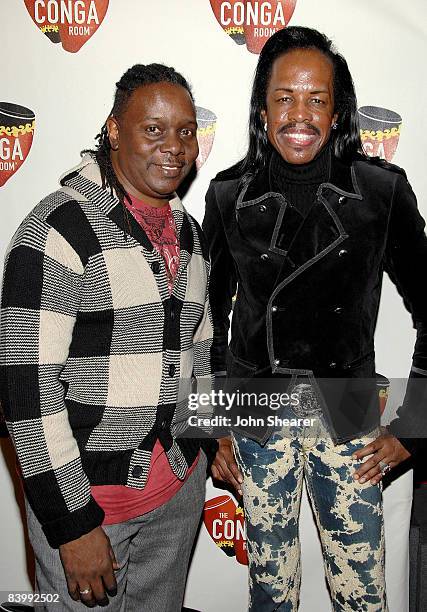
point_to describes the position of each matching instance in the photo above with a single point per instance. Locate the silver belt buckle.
(308, 403)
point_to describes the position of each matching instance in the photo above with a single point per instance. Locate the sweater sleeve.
(406, 264)
(202, 367)
(40, 300)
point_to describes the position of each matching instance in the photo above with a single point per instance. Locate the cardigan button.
(342, 252)
(341, 199)
(172, 370)
(333, 365)
(264, 257)
(155, 267)
(338, 310)
(137, 471)
(262, 208)
(274, 309)
(277, 362)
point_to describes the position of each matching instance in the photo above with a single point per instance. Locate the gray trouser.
(153, 552)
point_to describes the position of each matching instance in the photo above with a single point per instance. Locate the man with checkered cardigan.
(104, 313)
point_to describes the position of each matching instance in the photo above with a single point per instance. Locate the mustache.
(294, 125)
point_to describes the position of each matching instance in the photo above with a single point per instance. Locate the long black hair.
(135, 77)
(346, 137)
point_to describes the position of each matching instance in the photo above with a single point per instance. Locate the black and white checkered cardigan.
(92, 348)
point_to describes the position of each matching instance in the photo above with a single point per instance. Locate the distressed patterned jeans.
(348, 515)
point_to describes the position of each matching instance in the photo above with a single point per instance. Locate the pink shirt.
(122, 503)
(159, 225)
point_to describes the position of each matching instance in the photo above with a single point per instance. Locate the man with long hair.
(303, 228)
(104, 310)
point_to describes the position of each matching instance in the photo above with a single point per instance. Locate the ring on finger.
(384, 467)
(86, 591)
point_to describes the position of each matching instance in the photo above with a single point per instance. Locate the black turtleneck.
(299, 182)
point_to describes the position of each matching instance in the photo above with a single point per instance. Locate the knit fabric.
(93, 346)
(299, 182)
(159, 225)
(119, 502)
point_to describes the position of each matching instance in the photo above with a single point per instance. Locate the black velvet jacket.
(308, 289)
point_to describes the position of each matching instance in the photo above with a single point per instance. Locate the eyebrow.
(316, 91)
(187, 120)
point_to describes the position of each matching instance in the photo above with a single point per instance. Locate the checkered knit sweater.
(93, 348)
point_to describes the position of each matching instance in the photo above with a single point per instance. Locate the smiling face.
(300, 104)
(154, 142)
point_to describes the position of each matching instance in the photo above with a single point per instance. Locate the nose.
(172, 143)
(300, 112)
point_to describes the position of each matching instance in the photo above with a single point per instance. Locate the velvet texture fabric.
(308, 288)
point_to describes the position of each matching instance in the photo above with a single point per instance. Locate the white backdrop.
(70, 94)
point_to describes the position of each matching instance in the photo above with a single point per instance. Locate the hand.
(224, 466)
(386, 448)
(89, 563)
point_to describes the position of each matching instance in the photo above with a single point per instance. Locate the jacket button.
(172, 314)
(172, 369)
(264, 257)
(137, 471)
(155, 267)
(341, 199)
(277, 362)
(163, 424)
(274, 309)
(262, 208)
(343, 252)
(338, 310)
(332, 365)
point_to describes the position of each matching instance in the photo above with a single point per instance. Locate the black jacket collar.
(342, 180)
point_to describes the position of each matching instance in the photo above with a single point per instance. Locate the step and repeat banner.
(61, 59)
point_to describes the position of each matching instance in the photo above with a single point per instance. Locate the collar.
(84, 183)
(342, 180)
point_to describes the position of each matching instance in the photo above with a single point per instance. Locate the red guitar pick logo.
(206, 127)
(380, 131)
(16, 137)
(225, 524)
(252, 21)
(71, 22)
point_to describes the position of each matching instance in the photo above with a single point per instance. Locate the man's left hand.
(385, 449)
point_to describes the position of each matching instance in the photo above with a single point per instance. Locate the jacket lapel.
(301, 241)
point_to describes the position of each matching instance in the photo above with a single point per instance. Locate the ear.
(113, 132)
(334, 119)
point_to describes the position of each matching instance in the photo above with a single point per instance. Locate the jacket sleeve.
(223, 280)
(40, 300)
(406, 264)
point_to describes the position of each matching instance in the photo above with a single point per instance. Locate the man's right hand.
(89, 563)
(224, 466)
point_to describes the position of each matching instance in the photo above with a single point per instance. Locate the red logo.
(252, 21)
(224, 521)
(380, 131)
(70, 22)
(206, 127)
(16, 137)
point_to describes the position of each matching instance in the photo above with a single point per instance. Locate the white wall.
(71, 94)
